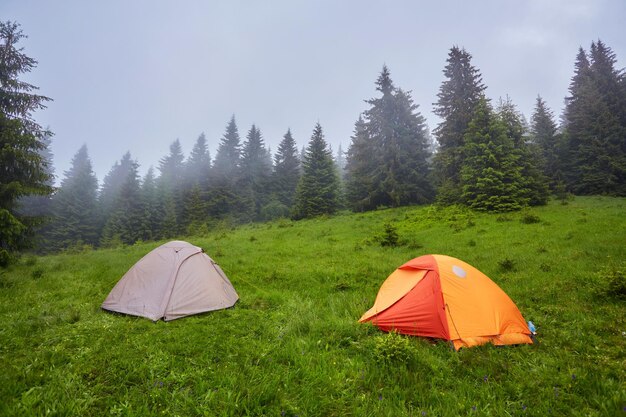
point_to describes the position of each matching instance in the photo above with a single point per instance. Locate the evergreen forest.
(483, 154)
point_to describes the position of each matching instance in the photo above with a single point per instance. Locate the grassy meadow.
(292, 344)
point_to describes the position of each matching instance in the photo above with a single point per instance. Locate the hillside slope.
(292, 344)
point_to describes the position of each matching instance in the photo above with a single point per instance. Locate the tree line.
(484, 155)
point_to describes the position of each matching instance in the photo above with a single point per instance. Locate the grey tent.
(174, 280)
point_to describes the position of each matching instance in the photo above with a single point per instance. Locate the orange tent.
(442, 297)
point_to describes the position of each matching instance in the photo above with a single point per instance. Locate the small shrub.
(389, 236)
(252, 239)
(545, 267)
(506, 265)
(37, 273)
(341, 286)
(529, 218)
(471, 243)
(613, 282)
(561, 193)
(392, 347)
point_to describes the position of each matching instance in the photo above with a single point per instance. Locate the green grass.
(292, 344)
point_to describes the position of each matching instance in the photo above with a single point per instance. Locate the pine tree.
(491, 177)
(125, 222)
(171, 187)
(75, 206)
(152, 214)
(543, 133)
(388, 161)
(222, 197)
(24, 169)
(318, 189)
(198, 165)
(595, 122)
(38, 208)
(113, 181)
(340, 162)
(254, 177)
(196, 213)
(533, 185)
(228, 155)
(196, 184)
(286, 171)
(458, 98)
(172, 168)
(359, 166)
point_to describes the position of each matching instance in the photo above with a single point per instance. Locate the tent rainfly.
(174, 280)
(442, 297)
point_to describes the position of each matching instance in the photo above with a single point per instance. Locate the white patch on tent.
(459, 272)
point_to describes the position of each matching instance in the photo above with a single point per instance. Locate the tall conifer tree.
(491, 177)
(543, 132)
(228, 155)
(286, 171)
(24, 170)
(198, 165)
(318, 189)
(125, 223)
(151, 225)
(255, 172)
(595, 123)
(534, 185)
(394, 141)
(112, 184)
(458, 97)
(171, 187)
(75, 206)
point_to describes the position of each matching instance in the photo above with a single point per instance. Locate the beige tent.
(175, 280)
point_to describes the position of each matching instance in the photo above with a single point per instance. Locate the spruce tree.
(317, 192)
(172, 168)
(196, 183)
(595, 123)
(359, 167)
(171, 186)
(491, 177)
(125, 222)
(286, 171)
(393, 148)
(228, 155)
(340, 162)
(75, 206)
(24, 170)
(543, 132)
(38, 208)
(458, 97)
(534, 185)
(223, 196)
(113, 181)
(152, 214)
(198, 165)
(254, 176)
(196, 212)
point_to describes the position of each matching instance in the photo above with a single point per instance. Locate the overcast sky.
(134, 75)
